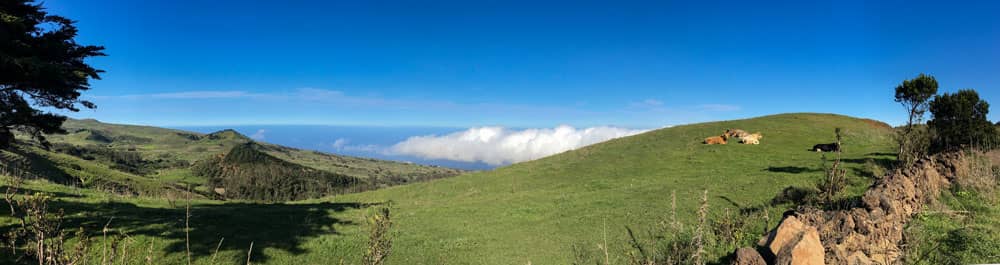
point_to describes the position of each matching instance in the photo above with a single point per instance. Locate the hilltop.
(247, 172)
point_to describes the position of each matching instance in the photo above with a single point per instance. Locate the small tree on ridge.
(913, 94)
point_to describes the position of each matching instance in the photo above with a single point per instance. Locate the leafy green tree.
(960, 119)
(41, 66)
(914, 95)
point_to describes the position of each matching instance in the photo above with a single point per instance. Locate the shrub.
(38, 234)
(835, 180)
(914, 144)
(379, 237)
(873, 169)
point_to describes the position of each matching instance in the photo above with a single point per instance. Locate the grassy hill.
(144, 160)
(536, 211)
(543, 211)
(246, 172)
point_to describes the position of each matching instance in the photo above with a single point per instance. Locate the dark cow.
(830, 147)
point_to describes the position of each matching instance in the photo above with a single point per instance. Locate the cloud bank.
(499, 145)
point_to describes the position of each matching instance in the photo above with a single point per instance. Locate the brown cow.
(716, 140)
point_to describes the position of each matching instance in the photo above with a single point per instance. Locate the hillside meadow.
(543, 212)
(536, 211)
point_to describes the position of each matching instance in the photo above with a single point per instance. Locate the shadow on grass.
(793, 170)
(269, 226)
(26, 191)
(40, 167)
(789, 196)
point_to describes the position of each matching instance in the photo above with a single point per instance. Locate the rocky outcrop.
(870, 233)
(793, 242)
(748, 256)
(804, 249)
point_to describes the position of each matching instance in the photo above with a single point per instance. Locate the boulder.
(786, 231)
(805, 249)
(748, 256)
(795, 243)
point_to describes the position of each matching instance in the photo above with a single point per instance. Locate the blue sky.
(523, 64)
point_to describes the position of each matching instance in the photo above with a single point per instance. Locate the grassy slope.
(154, 142)
(533, 211)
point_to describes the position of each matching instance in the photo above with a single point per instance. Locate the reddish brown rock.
(804, 249)
(748, 256)
(794, 242)
(870, 231)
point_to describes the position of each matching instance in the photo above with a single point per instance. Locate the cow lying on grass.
(716, 139)
(751, 138)
(736, 133)
(830, 147)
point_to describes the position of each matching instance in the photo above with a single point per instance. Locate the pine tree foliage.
(41, 66)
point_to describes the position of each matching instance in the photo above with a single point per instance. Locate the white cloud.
(339, 143)
(498, 145)
(259, 135)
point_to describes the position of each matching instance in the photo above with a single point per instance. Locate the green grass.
(961, 227)
(280, 232)
(177, 150)
(533, 211)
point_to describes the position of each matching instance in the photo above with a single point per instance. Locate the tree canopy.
(41, 67)
(960, 119)
(915, 93)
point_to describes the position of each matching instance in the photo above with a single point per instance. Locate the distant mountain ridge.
(150, 160)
